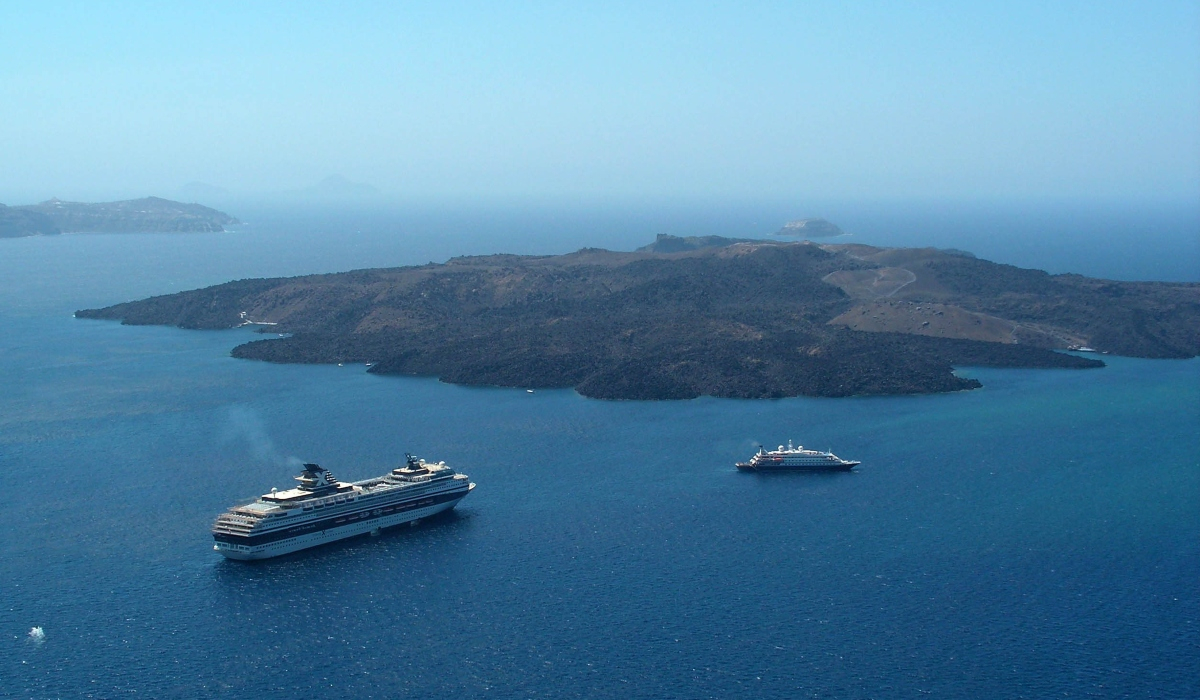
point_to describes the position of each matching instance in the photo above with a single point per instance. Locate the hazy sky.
(682, 100)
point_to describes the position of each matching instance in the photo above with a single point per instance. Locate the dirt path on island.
(878, 283)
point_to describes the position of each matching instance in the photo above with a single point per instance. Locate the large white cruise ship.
(795, 459)
(322, 509)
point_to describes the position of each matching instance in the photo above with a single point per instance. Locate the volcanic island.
(689, 317)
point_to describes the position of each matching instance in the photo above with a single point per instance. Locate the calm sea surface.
(1036, 538)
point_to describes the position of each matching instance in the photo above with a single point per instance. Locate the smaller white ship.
(795, 459)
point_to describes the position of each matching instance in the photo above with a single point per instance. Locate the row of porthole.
(324, 533)
(269, 546)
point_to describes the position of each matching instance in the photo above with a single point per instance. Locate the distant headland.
(147, 215)
(686, 317)
(810, 228)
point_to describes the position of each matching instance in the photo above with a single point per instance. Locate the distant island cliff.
(713, 317)
(147, 215)
(810, 228)
(16, 222)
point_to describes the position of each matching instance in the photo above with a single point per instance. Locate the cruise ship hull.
(833, 467)
(247, 549)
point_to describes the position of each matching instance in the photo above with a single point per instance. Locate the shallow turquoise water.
(1038, 537)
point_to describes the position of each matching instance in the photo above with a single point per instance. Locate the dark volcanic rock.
(218, 308)
(1140, 319)
(148, 215)
(736, 320)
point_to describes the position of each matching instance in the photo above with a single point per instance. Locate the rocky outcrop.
(809, 228)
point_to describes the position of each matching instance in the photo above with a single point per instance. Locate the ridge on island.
(732, 319)
(146, 215)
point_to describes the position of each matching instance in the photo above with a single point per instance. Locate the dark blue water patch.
(1037, 537)
(1124, 240)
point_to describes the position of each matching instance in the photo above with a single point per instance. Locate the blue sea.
(1036, 538)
